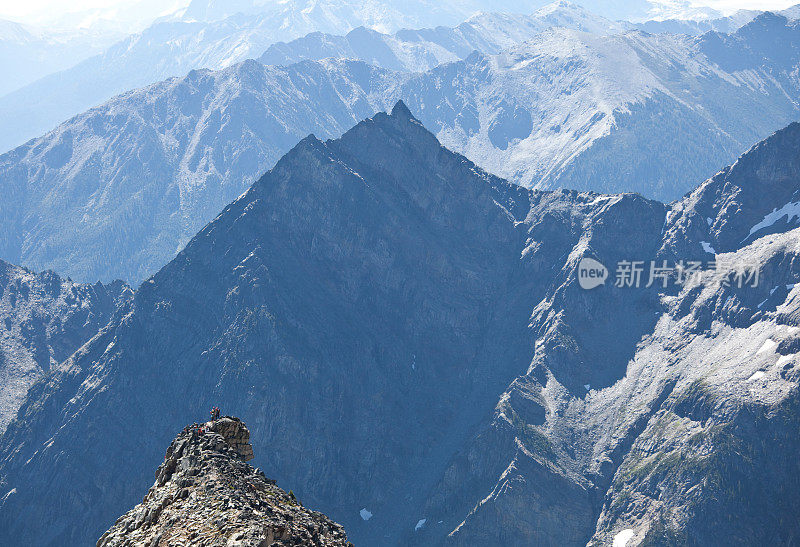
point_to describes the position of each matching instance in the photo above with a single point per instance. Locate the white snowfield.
(623, 537)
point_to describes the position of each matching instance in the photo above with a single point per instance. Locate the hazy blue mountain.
(696, 27)
(163, 50)
(216, 35)
(392, 15)
(728, 24)
(406, 335)
(589, 112)
(27, 53)
(420, 50)
(43, 320)
(117, 191)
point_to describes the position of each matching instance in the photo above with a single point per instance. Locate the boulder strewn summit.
(205, 494)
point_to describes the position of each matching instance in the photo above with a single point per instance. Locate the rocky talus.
(205, 494)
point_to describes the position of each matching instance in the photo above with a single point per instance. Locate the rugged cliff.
(205, 494)
(44, 319)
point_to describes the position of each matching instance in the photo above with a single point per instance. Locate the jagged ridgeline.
(407, 339)
(44, 319)
(118, 190)
(205, 494)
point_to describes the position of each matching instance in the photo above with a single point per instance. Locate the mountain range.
(134, 180)
(490, 33)
(28, 54)
(117, 191)
(612, 113)
(410, 342)
(217, 35)
(697, 26)
(421, 50)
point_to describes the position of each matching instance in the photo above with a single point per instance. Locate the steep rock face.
(205, 494)
(716, 458)
(411, 344)
(236, 435)
(527, 476)
(43, 320)
(682, 430)
(755, 197)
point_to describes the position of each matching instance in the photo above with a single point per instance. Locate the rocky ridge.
(205, 494)
(44, 318)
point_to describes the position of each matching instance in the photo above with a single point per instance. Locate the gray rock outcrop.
(44, 319)
(206, 495)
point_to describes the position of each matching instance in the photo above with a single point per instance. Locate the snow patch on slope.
(790, 211)
(623, 537)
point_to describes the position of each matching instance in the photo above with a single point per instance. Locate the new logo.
(591, 273)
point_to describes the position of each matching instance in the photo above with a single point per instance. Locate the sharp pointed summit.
(400, 110)
(347, 263)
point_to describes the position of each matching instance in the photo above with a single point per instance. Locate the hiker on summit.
(215, 413)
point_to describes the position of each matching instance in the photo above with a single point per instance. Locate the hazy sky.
(141, 11)
(732, 5)
(122, 11)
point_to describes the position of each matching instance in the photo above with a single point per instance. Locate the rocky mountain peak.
(206, 494)
(235, 433)
(756, 196)
(400, 110)
(764, 21)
